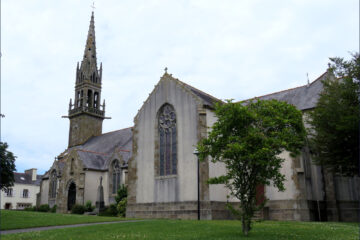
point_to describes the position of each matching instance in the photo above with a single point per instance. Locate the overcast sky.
(230, 49)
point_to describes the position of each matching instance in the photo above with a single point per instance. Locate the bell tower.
(86, 114)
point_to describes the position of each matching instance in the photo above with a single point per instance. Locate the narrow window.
(116, 172)
(96, 96)
(53, 183)
(25, 193)
(167, 140)
(72, 166)
(78, 99)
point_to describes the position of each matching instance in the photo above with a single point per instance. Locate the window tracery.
(116, 176)
(167, 140)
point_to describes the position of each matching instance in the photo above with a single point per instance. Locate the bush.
(78, 209)
(121, 207)
(121, 194)
(53, 209)
(109, 211)
(89, 207)
(30, 209)
(44, 208)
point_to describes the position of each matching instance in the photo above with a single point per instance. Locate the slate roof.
(97, 151)
(206, 98)
(23, 178)
(303, 97)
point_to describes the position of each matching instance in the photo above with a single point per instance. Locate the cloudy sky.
(228, 48)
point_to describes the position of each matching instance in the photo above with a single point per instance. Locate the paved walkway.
(61, 226)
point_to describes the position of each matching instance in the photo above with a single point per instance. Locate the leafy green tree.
(248, 139)
(7, 167)
(335, 120)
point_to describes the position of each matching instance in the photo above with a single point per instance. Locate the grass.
(23, 219)
(190, 229)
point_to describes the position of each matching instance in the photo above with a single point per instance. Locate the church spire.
(85, 112)
(88, 70)
(88, 63)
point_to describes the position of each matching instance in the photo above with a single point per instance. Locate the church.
(155, 158)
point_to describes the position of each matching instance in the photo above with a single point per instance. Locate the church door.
(71, 196)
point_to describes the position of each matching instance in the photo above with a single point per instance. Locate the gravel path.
(3, 232)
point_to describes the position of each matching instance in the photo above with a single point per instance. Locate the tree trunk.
(245, 226)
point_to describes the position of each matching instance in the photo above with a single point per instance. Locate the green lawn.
(191, 229)
(22, 219)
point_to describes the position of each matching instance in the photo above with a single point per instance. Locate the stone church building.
(155, 158)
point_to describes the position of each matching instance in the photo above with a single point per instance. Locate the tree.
(7, 167)
(335, 119)
(248, 139)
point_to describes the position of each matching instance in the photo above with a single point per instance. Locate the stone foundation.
(179, 210)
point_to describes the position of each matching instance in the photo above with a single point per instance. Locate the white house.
(23, 193)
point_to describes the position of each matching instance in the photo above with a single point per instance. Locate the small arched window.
(167, 140)
(72, 166)
(53, 184)
(116, 176)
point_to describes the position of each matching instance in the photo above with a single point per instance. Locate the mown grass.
(188, 229)
(22, 219)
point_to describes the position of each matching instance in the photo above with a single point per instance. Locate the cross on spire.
(165, 69)
(93, 6)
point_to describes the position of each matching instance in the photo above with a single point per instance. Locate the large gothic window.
(53, 184)
(167, 140)
(116, 176)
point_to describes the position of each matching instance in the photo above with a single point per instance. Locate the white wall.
(174, 188)
(92, 181)
(291, 191)
(44, 197)
(18, 195)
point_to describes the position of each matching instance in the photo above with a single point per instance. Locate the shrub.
(78, 209)
(44, 208)
(89, 207)
(30, 208)
(121, 194)
(109, 211)
(121, 207)
(53, 209)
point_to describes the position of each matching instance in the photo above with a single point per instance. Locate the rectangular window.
(25, 193)
(9, 192)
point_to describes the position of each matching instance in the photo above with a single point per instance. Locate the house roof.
(23, 178)
(303, 97)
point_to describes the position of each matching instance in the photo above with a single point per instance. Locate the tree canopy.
(248, 138)
(7, 167)
(335, 120)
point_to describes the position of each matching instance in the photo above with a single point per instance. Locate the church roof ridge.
(116, 130)
(196, 90)
(207, 98)
(285, 90)
(303, 97)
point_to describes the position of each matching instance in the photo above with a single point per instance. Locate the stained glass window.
(116, 171)
(167, 140)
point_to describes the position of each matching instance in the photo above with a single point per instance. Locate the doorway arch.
(71, 196)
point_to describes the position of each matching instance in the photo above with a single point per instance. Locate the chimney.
(32, 173)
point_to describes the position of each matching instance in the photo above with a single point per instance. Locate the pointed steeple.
(85, 112)
(89, 59)
(88, 70)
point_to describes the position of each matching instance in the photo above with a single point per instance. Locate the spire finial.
(165, 69)
(93, 7)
